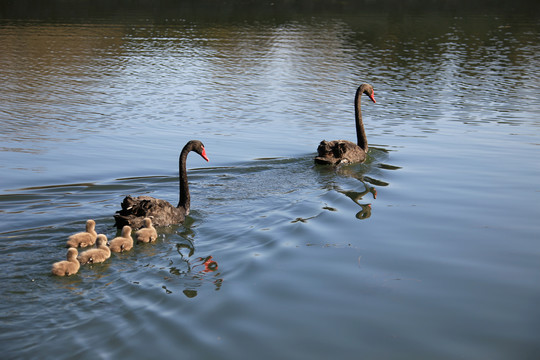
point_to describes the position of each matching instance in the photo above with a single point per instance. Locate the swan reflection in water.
(369, 184)
(209, 264)
(196, 269)
(356, 196)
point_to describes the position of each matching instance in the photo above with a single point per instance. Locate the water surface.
(428, 250)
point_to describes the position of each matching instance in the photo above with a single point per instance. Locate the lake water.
(442, 263)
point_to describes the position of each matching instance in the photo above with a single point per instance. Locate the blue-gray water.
(442, 263)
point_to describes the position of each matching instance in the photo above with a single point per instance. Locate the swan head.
(368, 90)
(198, 147)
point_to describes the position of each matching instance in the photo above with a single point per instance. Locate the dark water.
(430, 249)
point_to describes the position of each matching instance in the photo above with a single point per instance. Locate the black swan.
(134, 210)
(97, 255)
(69, 267)
(84, 239)
(123, 242)
(342, 151)
(148, 233)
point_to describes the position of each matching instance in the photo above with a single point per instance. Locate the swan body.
(97, 255)
(339, 152)
(135, 209)
(67, 267)
(343, 151)
(85, 238)
(124, 242)
(148, 233)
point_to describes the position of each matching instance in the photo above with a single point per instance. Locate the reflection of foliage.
(210, 10)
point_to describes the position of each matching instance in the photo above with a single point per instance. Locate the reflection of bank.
(195, 270)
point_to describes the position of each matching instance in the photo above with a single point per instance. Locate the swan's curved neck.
(183, 181)
(360, 132)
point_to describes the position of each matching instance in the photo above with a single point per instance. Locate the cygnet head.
(101, 240)
(126, 231)
(72, 254)
(90, 225)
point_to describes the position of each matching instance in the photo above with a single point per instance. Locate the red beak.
(204, 155)
(372, 97)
